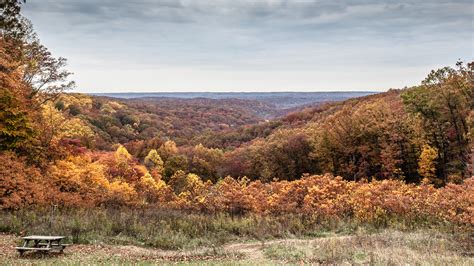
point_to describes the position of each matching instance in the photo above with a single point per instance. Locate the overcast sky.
(266, 45)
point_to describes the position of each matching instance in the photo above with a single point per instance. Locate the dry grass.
(102, 236)
(164, 229)
(389, 247)
(110, 254)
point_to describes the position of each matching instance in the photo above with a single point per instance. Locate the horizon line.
(177, 92)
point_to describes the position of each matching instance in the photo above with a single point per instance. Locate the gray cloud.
(269, 37)
(255, 13)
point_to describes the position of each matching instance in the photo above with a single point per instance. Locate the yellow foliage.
(121, 193)
(61, 127)
(111, 107)
(122, 155)
(168, 149)
(149, 182)
(427, 163)
(83, 181)
(79, 176)
(74, 128)
(154, 161)
(81, 100)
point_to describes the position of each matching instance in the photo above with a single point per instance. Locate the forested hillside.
(121, 121)
(409, 134)
(364, 158)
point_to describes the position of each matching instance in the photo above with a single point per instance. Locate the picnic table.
(42, 243)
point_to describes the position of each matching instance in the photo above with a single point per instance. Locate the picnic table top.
(43, 237)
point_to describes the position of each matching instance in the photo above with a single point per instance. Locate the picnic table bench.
(42, 243)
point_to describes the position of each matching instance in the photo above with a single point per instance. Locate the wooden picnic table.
(42, 243)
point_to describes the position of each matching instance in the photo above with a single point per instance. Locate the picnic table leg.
(25, 244)
(61, 246)
(48, 245)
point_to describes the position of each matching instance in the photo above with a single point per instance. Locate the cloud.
(258, 36)
(264, 12)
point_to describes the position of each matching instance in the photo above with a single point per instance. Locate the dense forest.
(403, 152)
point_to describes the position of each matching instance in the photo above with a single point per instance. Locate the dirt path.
(254, 251)
(98, 253)
(390, 247)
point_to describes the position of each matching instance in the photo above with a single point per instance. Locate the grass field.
(111, 236)
(388, 247)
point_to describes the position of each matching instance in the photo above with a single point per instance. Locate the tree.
(427, 165)
(154, 190)
(124, 168)
(189, 188)
(121, 155)
(30, 77)
(154, 162)
(174, 164)
(10, 19)
(80, 181)
(44, 74)
(121, 193)
(16, 125)
(56, 125)
(167, 150)
(444, 102)
(20, 183)
(205, 162)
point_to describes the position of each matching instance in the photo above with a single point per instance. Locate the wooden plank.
(52, 244)
(43, 238)
(31, 248)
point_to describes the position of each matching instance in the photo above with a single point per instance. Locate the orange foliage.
(79, 181)
(87, 180)
(154, 190)
(230, 195)
(20, 184)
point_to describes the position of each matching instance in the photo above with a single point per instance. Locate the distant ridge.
(279, 99)
(219, 95)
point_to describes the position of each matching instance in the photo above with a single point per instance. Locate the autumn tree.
(30, 77)
(189, 188)
(121, 155)
(206, 162)
(58, 125)
(21, 184)
(174, 164)
(124, 167)
(444, 102)
(369, 139)
(154, 162)
(154, 190)
(80, 181)
(285, 155)
(16, 125)
(10, 19)
(140, 148)
(44, 74)
(121, 193)
(427, 165)
(167, 150)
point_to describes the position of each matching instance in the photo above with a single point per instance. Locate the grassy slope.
(386, 247)
(154, 236)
